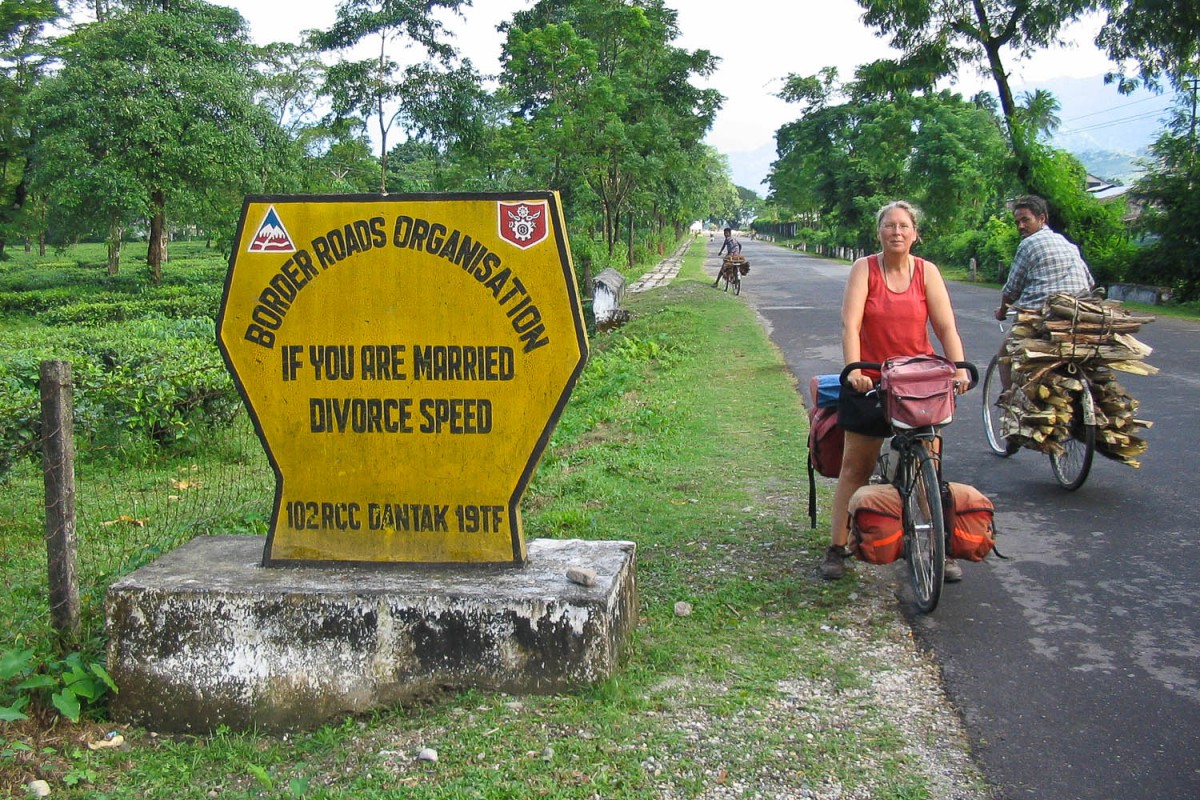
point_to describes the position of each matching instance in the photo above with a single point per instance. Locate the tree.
(22, 61)
(706, 190)
(1170, 203)
(959, 167)
(413, 166)
(861, 144)
(1152, 39)
(547, 78)
(339, 159)
(845, 154)
(1039, 113)
(432, 97)
(289, 81)
(149, 108)
(606, 101)
(938, 37)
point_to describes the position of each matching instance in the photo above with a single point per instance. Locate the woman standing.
(891, 298)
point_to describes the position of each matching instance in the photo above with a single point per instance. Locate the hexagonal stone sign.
(405, 359)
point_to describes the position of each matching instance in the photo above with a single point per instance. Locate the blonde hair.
(904, 206)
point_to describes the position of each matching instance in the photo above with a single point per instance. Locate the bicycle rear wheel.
(924, 529)
(1072, 467)
(992, 414)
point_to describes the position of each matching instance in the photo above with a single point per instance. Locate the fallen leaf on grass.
(112, 740)
(125, 519)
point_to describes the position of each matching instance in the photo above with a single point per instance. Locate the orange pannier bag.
(970, 530)
(876, 532)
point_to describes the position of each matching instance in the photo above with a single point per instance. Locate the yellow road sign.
(404, 359)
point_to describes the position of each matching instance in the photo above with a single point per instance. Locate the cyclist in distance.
(730, 246)
(890, 299)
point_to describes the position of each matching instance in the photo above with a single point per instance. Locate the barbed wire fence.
(70, 526)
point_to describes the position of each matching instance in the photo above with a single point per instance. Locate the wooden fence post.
(58, 469)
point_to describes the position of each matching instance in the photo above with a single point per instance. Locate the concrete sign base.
(205, 636)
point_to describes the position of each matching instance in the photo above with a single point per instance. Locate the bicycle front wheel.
(992, 414)
(737, 285)
(924, 530)
(1071, 468)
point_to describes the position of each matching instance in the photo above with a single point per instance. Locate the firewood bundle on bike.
(1070, 345)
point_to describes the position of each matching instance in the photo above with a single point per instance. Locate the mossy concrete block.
(608, 290)
(205, 636)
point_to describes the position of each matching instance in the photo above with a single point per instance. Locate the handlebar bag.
(876, 532)
(918, 390)
(971, 534)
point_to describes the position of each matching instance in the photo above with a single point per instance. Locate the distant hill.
(1097, 118)
(1122, 168)
(1107, 131)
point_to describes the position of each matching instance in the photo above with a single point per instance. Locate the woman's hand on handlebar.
(859, 382)
(962, 381)
(852, 376)
(965, 377)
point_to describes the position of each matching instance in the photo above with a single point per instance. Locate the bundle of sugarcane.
(1069, 346)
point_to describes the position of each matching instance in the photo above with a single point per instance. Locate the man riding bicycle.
(730, 247)
(1046, 263)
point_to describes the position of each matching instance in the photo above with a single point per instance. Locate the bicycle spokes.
(924, 527)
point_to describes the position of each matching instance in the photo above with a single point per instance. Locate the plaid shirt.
(1046, 263)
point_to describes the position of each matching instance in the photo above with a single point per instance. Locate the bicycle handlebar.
(967, 365)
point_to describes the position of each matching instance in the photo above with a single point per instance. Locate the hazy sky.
(758, 41)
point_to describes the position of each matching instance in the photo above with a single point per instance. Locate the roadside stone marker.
(405, 359)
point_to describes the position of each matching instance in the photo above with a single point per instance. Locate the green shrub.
(996, 249)
(140, 387)
(108, 311)
(20, 414)
(70, 685)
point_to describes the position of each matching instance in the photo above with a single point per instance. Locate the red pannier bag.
(918, 390)
(876, 531)
(971, 534)
(825, 438)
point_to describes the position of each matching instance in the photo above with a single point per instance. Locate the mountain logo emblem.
(272, 236)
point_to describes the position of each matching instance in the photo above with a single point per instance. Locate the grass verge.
(686, 435)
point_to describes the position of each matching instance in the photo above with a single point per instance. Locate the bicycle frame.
(905, 443)
(730, 274)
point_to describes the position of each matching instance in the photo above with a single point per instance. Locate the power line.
(1114, 122)
(1116, 108)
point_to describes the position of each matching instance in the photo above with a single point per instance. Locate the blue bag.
(829, 388)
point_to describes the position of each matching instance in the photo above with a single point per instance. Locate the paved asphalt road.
(1075, 663)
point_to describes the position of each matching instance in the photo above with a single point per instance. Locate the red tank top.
(894, 323)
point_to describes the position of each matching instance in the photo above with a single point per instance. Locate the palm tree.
(1038, 113)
